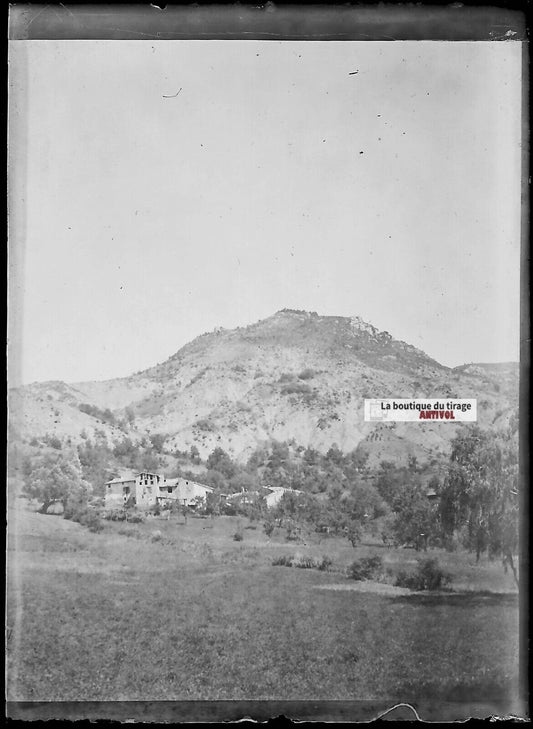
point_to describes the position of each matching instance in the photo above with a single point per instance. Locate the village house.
(146, 489)
(183, 491)
(276, 493)
(139, 489)
(272, 496)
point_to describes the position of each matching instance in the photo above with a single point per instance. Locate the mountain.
(295, 375)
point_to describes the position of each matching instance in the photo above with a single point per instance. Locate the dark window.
(169, 489)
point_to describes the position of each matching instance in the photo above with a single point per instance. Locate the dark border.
(175, 712)
(525, 379)
(266, 21)
(313, 22)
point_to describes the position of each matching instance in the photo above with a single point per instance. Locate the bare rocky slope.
(295, 375)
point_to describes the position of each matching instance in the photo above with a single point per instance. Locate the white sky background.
(139, 222)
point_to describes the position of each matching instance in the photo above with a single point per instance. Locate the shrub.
(286, 377)
(325, 564)
(75, 510)
(353, 533)
(135, 518)
(205, 425)
(238, 537)
(305, 563)
(251, 526)
(93, 521)
(307, 374)
(115, 515)
(428, 576)
(296, 388)
(283, 561)
(268, 528)
(366, 568)
(228, 509)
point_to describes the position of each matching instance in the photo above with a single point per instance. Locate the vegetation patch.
(205, 425)
(307, 374)
(304, 562)
(427, 576)
(366, 568)
(105, 415)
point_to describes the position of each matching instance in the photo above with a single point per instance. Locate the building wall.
(189, 491)
(115, 493)
(147, 488)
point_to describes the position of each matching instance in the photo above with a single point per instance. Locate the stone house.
(146, 489)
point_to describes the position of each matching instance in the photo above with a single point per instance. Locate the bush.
(428, 576)
(205, 425)
(296, 388)
(93, 521)
(307, 374)
(325, 564)
(79, 512)
(366, 568)
(238, 537)
(305, 563)
(75, 510)
(283, 561)
(268, 528)
(228, 509)
(135, 518)
(115, 515)
(286, 377)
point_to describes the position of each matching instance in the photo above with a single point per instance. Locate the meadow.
(168, 610)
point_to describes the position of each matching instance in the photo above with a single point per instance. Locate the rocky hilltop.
(295, 375)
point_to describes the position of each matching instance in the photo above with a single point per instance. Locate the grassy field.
(192, 614)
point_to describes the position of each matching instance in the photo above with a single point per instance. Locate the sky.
(378, 179)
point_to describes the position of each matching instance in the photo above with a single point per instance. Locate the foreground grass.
(195, 615)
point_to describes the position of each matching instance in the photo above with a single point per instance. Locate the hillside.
(295, 375)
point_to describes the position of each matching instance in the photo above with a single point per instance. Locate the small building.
(141, 489)
(183, 491)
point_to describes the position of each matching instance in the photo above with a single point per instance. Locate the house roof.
(185, 482)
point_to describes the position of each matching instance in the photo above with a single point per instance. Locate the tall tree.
(480, 493)
(56, 477)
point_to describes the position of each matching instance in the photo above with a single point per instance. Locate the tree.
(390, 481)
(213, 502)
(480, 493)
(335, 455)
(158, 442)
(56, 477)
(219, 460)
(124, 448)
(215, 479)
(415, 521)
(95, 463)
(147, 461)
(194, 455)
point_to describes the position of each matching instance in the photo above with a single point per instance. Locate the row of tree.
(474, 504)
